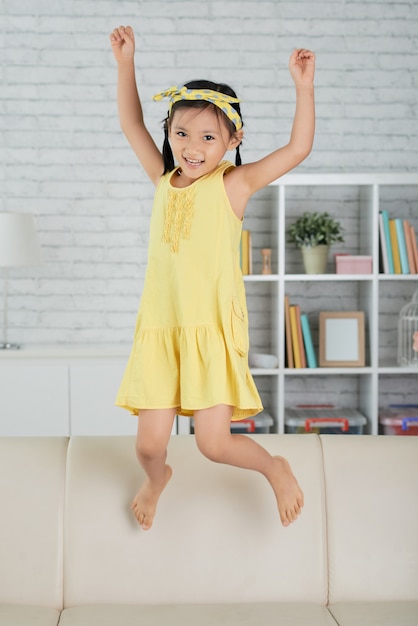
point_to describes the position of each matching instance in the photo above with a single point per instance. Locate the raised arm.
(129, 105)
(254, 176)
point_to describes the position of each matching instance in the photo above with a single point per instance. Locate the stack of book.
(398, 245)
(299, 346)
(245, 253)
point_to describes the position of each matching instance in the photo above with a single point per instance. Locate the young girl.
(191, 340)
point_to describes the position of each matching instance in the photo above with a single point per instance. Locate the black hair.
(201, 104)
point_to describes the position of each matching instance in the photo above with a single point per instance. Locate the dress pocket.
(239, 328)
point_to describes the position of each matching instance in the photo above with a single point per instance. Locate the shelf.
(327, 371)
(66, 352)
(316, 278)
(261, 278)
(395, 369)
(398, 277)
(341, 179)
(264, 371)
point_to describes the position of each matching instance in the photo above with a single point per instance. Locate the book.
(300, 337)
(403, 255)
(288, 333)
(385, 220)
(395, 248)
(383, 245)
(307, 340)
(409, 249)
(414, 245)
(295, 337)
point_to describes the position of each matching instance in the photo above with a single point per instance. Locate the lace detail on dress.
(178, 216)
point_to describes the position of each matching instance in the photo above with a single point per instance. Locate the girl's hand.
(123, 43)
(302, 66)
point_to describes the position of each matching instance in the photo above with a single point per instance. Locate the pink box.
(353, 264)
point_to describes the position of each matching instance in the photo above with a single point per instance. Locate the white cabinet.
(63, 391)
(34, 399)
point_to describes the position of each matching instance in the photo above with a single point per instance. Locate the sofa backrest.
(217, 536)
(32, 476)
(372, 510)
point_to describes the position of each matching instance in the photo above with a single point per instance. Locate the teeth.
(193, 162)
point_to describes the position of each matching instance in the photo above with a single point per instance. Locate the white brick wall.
(64, 157)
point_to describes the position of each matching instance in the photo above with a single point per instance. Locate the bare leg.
(215, 441)
(154, 430)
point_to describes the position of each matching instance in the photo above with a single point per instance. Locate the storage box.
(353, 264)
(399, 420)
(324, 421)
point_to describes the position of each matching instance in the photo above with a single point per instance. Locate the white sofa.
(71, 551)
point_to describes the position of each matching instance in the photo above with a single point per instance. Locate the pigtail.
(238, 152)
(167, 152)
(238, 156)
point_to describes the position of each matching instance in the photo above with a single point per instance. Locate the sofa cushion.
(13, 615)
(268, 614)
(376, 613)
(372, 509)
(32, 484)
(217, 536)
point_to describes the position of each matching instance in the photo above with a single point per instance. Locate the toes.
(287, 519)
(145, 524)
(290, 515)
(144, 521)
(142, 518)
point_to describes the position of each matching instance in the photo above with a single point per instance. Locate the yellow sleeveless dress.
(191, 339)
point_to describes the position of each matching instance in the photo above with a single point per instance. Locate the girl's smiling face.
(199, 140)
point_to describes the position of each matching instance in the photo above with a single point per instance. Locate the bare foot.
(145, 502)
(288, 493)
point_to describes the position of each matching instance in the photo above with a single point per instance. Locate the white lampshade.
(18, 240)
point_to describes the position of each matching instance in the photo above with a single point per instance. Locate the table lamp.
(18, 247)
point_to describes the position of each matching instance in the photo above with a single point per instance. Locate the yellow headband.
(221, 100)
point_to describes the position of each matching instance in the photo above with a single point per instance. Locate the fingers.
(302, 53)
(120, 34)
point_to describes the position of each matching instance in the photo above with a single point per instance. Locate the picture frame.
(341, 339)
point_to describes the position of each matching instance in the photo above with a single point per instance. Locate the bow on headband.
(221, 100)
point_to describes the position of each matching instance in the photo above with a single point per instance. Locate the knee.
(211, 447)
(148, 448)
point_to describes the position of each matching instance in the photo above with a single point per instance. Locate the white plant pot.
(315, 259)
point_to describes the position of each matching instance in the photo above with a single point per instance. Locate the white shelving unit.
(355, 200)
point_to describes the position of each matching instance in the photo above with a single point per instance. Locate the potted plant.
(314, 233)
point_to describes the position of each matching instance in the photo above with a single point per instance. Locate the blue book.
(403, 254)
(385, 218)
(307, 340)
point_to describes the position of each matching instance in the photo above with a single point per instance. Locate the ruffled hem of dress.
(187, 369)
(238, 414)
